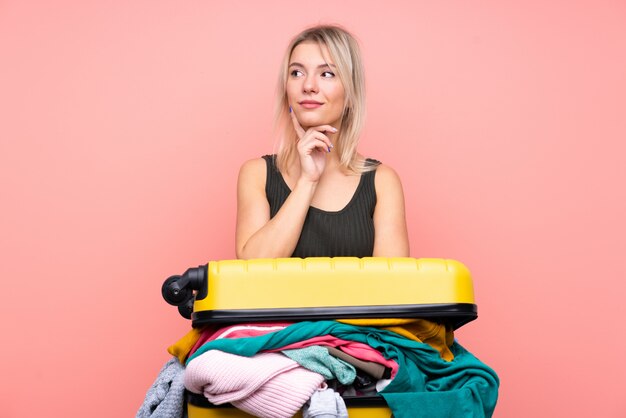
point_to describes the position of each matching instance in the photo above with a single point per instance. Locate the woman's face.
(314, 90)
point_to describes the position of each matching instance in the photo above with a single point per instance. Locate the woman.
(318, 196)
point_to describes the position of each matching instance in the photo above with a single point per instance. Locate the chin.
(311, 120)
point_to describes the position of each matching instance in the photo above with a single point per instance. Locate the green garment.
(318, 360)
(425, 385)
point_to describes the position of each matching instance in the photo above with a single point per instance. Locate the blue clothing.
(425, 385)
(165, 397)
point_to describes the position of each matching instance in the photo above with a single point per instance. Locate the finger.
(296, 124)
(322, 136)
(317, 146)
(329, 129)
(315, 140)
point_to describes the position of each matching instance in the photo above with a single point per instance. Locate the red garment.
(252, 329)
(355, 349)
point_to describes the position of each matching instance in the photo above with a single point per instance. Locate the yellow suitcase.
(295, 289)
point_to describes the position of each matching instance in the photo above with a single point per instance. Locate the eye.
(295, 73)
(328, 74)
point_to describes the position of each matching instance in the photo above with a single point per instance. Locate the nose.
(310, 84)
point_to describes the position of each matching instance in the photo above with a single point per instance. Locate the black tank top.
(347, 232)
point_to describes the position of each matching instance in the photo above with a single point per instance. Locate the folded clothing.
(317, 359)
(423, 376)
(359, 350)
(432, 333)
(181, 348)
(376, 370)
(251, 329)
(267, 385)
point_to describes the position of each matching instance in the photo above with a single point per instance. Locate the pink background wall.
(123, 126)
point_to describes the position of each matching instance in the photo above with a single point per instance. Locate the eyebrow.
(297, 64)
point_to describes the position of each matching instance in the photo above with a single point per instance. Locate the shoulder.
(387, 184)
(386, 177)
(253, 171)
(253, 166)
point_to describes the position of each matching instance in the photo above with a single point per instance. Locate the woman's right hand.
(313, 145)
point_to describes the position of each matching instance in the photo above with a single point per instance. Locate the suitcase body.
(197, 408)
(294, 289)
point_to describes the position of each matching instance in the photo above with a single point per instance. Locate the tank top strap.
(276, 190)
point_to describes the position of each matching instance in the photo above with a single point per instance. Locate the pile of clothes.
(273, 370)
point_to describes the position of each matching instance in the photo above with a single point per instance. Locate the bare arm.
(391, 236)
(258, 236)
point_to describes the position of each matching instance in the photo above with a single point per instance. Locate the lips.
(310, 104)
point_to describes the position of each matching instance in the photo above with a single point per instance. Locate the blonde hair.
(345, 54)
